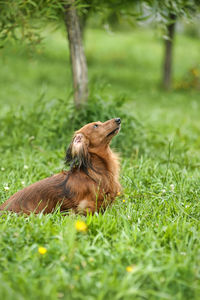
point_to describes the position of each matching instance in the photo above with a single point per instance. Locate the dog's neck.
(98, 163)
(105, 160)
(106, 165)
(103, 168)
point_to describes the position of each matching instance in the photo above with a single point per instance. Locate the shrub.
(51, 123)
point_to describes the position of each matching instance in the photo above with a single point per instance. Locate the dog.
(90, 185)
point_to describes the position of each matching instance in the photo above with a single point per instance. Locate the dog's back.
(43, 195)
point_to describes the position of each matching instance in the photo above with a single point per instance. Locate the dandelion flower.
(118, 194)
(195, 72)
(124, 201)
(81, 226)
(6, 188)
(129, 269)
(42, 250)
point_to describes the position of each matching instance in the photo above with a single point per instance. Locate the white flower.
(25, 167)
(163, 191)
(23, 182)
(172, 187)
(2, 169)
(6, 188)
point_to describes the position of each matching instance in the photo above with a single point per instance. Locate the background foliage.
(155, 230)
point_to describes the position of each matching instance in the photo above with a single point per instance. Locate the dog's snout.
(118, 121)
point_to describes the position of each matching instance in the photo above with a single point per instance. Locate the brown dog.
(91, 184)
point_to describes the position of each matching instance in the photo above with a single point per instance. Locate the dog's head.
(92, 137)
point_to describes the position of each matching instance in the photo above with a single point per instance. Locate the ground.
(147, 245)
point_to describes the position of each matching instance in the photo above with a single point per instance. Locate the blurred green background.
(156, 229)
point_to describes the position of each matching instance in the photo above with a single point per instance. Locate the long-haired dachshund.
(91, 184)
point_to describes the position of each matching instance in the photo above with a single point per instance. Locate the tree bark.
(167, 70)
(77, 55)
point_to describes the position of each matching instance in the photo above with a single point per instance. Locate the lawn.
(147, 245)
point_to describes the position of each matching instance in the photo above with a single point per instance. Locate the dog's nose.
(118, 121)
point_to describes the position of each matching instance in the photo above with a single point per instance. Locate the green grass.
(156, 230)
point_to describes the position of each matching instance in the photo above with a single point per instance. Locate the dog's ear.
(77, 153)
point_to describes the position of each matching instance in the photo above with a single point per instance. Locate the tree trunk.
(167, 74)
(77, 56)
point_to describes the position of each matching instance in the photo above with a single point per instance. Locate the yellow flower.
(81, 226)
(124, 200)
(42, 250)
(195, 72)
(129, 269)
(118, 194)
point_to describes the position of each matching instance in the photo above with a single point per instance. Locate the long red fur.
(91, 184)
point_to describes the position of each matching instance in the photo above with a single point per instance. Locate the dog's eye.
(95, 125)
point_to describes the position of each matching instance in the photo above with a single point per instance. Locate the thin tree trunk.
(77, 55)
(167, 71)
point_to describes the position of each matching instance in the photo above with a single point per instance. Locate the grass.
(156, 229)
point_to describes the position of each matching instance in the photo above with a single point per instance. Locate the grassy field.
(147, 245)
